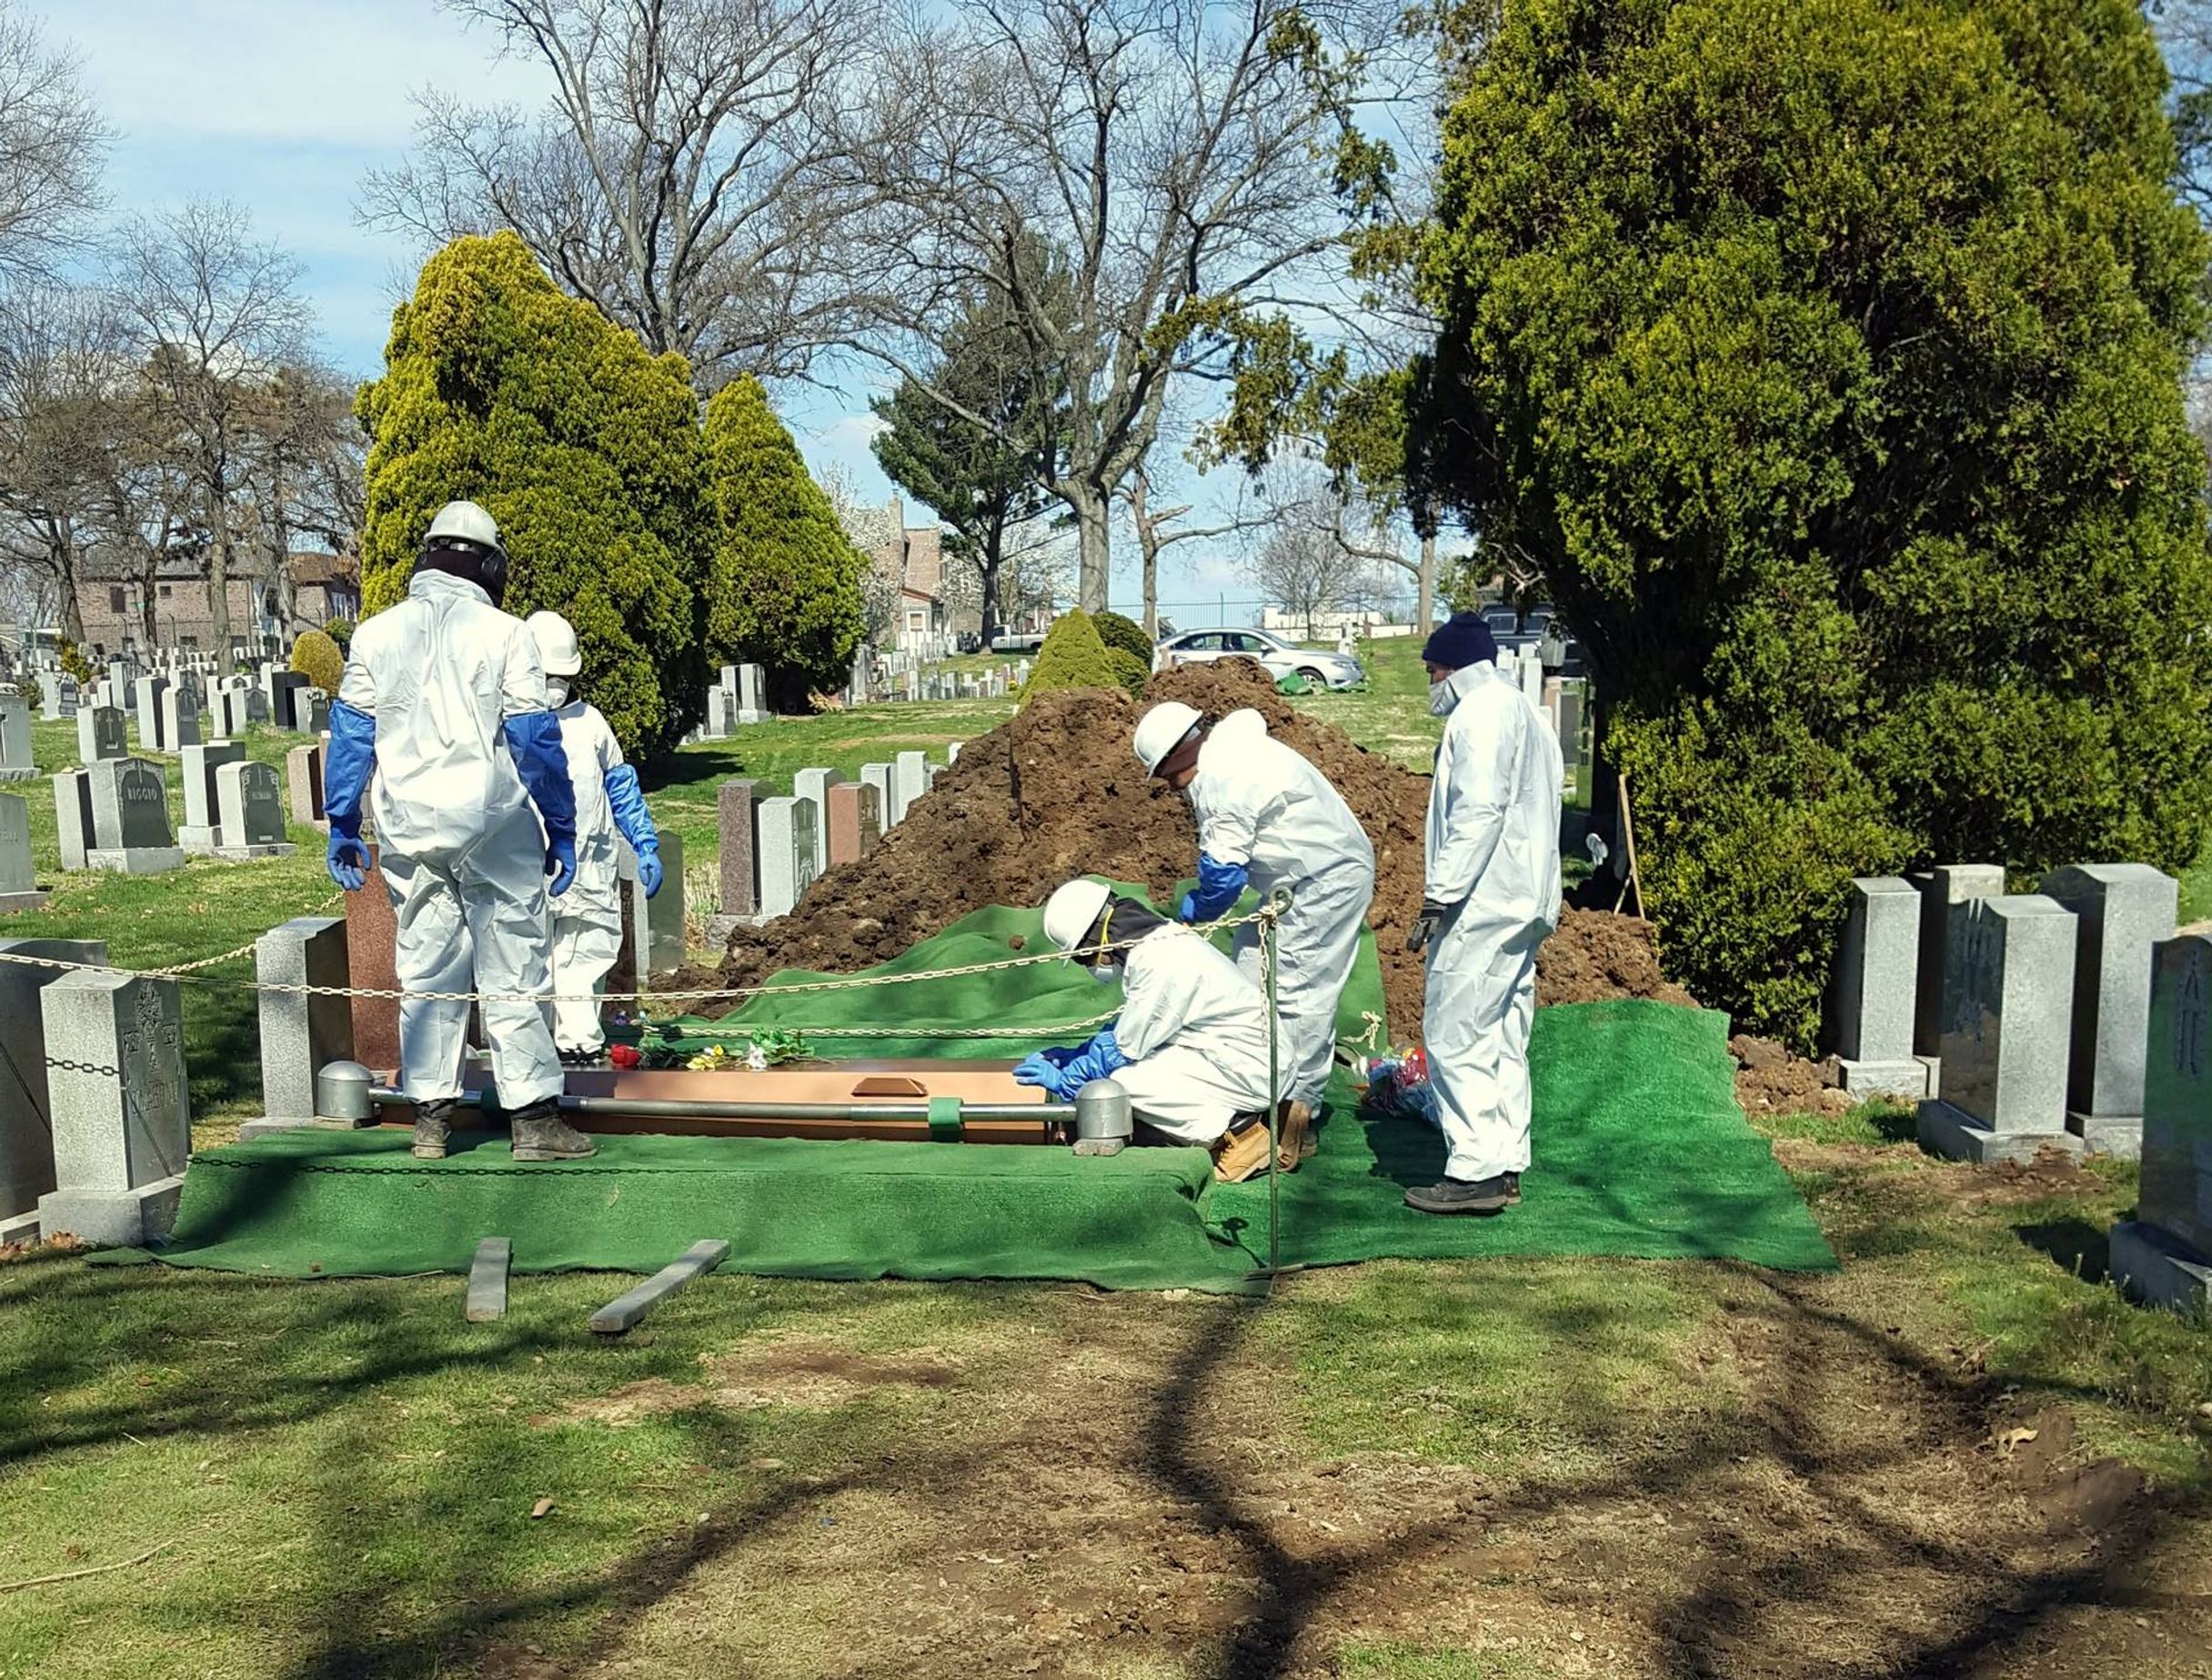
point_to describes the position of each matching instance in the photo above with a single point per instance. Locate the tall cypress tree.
(500, 389)
(1825, 358)
(785, 581)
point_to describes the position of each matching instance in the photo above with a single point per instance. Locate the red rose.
(623, 1055)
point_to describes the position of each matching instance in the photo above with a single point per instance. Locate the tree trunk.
(1151, 589)
(987, 574)
(148, 593)
(219, 578)
(1094, 559)
(1426, 613)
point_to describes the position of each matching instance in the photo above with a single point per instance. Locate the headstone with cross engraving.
(99, 734)
(2007, 1006)
(130, 819)
(180, 718)
(18, 886)
(26, 1119)
(114, 1058)
(2164, 1253)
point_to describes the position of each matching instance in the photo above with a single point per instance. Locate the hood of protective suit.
(1444, 696)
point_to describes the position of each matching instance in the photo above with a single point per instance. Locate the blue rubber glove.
(1036, 1071)
(1187, 910)
(649, 869)
(1099, 1059)
(533, 739)
(1219, 886)
(347, 860)
(1060, 1055)
(346, 773)
(628, 803)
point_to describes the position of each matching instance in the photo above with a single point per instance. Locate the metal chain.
(1266, 913)
(67, 1066)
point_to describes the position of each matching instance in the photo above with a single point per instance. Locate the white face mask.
(1105, 973)
(557, 687)
(1440, 700)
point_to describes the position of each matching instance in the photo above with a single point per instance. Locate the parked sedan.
(1317, 666)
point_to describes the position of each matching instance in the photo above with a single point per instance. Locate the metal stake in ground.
(1278, 902)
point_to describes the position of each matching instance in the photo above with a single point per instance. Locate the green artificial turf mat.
(1640, 1150)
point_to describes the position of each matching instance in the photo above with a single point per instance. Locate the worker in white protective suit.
(1190, 1045)
(444, 701)
(586, 920)
(1491, 895)
(1267, 817)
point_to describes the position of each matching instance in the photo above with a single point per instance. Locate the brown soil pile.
(1770, 1080)
(1056, 792)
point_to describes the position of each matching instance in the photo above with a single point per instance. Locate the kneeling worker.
(444, 700)
(587, 918)
(1492, 896)
(1190, 1045)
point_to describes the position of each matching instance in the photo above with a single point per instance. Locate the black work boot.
(433, 1129)
(540, 1134)
(1459, 1195)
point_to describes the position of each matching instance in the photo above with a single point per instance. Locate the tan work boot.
(1295, 1140)
(433, 1129)
(1242, 1152)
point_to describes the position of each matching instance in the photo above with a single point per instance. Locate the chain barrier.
(67, 1066)
(1266, 913)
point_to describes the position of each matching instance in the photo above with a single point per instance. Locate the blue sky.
(281, 105)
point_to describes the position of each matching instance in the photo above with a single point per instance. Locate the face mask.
(557, 687)
(1105, 973)
(1439, 699)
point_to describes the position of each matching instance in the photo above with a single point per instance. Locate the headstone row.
(773, 848)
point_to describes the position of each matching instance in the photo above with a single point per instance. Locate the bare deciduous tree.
(1304, 568)
(217, 320)
(1156, 531)
(1170, 154)
(301, 471)
(690, 176)
(62, 366)
(53, 146)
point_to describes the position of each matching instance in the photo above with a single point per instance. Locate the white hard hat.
(1160, 731)
(1073, 912)
(467, 521)
(557, 645)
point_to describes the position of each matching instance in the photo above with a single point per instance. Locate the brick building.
(111, 595)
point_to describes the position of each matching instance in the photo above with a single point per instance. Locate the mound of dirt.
(1057, 792)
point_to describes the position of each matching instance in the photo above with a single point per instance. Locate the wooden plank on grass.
(488, 1281)
(618, 1314)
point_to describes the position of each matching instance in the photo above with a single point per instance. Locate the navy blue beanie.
(1463, 641)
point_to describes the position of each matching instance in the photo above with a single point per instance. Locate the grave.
(752, 703)
(2124, 911)
(26, 1119)
(653, 929)
(130, 819)
(721, 713)
(288, 700)
(249, 813)
(100, 734)
(303, 770)
(147, 695)
(19, 887)
(115, 1081)
(2164, 1253)
(256, 708)
(228, 714)
(1871, 1003)
(2007, 991)
(73, 817)
(1941, 887)
(16, 759)
(855, 815)
(180, 720)
(739, 869)
(813, 785)
(787, 853)
(910, 781)
(198, 835)
(300, 1031)
(882, 777)
(57, 696)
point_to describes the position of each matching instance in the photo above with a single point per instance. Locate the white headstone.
(180, 720)
(73, 817)
(813, 785)
(122, 1127)
(198, 835)
(249, 811)
(752, 704)
(881, 778)
(786, 850)
(146, 700)
(2007, 1023)
(26, 1119)
(1871, 1003)
(18, 885)
(2125, 910)
(911, 780)
(16, 763)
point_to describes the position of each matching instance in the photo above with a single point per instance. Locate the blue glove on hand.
(560, 864)
(1060, 1055)
(1219, 886)
(1037, 1071)
(649, 869)
(1099, 1059)
(348, 862)
(1187, 910)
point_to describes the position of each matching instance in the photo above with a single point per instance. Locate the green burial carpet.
(1640, 1150)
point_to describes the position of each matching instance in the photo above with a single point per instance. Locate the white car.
(1322, 667)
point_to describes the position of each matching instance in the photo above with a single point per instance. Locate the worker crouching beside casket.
(1190, 1045)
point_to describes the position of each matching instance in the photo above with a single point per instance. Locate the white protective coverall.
(463, 856)
(586, 920)
(1262, 804)
(1493, 855)
(1194, 1030)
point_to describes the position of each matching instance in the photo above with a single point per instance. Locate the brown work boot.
(1242, 1152)
(540, 1134)
(1294, 1138)
(433, 1129)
